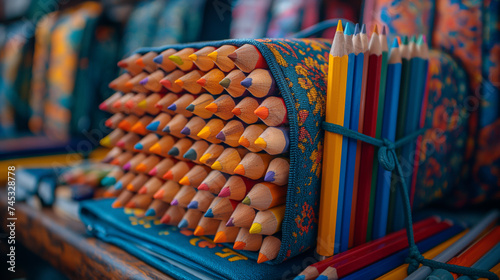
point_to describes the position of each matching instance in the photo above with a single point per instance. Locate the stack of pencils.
(200, 137)
(379, 92)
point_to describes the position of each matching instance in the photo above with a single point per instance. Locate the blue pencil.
(388, 132)
(349, 48)
(383, 266)
(486, 262)
(357, 77)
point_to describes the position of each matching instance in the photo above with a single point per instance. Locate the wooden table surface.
(63, 243)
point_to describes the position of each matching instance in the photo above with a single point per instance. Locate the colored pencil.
(206, 226)
(148, 104)
(166, 101)
(157, 208)
(173, 215)
(190, 219)
(146, 62)
(167, 192)
(162, 167)
(147, 142)
(178, 171)
(221, 208)
(139, 201)
(147, 164)
(367, 150)
(193, 127)
(247, 58)
(232, 83)
(128, 141)
(122, 159)
(231, 133)
(107, 105)
(188, 82)
(269, 249)
(457, 247)
(211, 154)
(163, 61)
(112, 177)
(111, 191)
(198, 105)
(214, 182)
(274, 140)
(388, 132)
(183, 196)
(268, 221)
(163, 145)
(181, 59)
(201, 201)
(129, 64)
(236, 188)
(253, 165)
(169, 81)
(246, 241)
(401, 271)
(195, 176)
(226, 234)
(277, 172)
(272, 111)
(250, 134)
(151, 186)
(159, 122)
(228, 160)
(195, 152)
(201, 59)
(118, 84)
(152, 82)
(137, 182)
(175, 125)
(265, 195)
(222, 107)
(210, 81)
(211, 129)
(127, 123)
(119, 105)
(111, 139)
(179, 105)
(219, 56)
(113, 121)
(114, 152)
(260, 83)
(245, 109)
(243, 216)
(180, 148)
(122, 199)
(131, 104)
(487, 261)
(140, 126)
(134, 84)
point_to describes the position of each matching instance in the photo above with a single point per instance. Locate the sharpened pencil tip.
(356, 29)
(339, 26)
(384, 30)
(348, 29)
(395, 43)
(375, 29)
(363, 28)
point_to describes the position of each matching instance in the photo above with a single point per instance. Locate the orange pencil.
(272, 111)
(175, 125)
(147, 164)
(173, 215)
(232, 83)
(198, 105)
(247, 58)
(210, 81)
(269, 249)
(211, 154)
(277, 172)
(190, 219)
(167, 191)
(246, 241)
(220, 58)
(201, 60)
(179, 105)
(151, 186)
(180, 148)
(127, 123)
(250, 134)
(206, 226)
(146, 62)
(163, 61)
(128, 141)
(122, 159)
(253, 165)
(163, 145)
(119, 105)
(211, 129)
(124, 197)
(195, 152)
(166, 101)
(178, 171)
(107, 105)
(118, 84)
(226, 234)
(265, 195)
(162, 167)
(242, 216)
(148, 104)
(184, 196)
(201, 201)
(169, 81)
(140, 126)
(159, 122)
(213, 182)
(156, 208)
(231, 133)
(137, 182)
(245, 109)
(113, 121)
(221, 208)
(193, 127)
(236, 188)
(195, 176)
(228, 160)
(129, 64)
(222, 107)
(181, 59)
(188, 81)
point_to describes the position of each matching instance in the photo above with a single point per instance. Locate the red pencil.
(369, 128)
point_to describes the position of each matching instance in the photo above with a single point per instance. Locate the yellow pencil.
(335, 105)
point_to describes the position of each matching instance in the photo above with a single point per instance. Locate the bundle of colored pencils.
(201, 139)
(379, 92)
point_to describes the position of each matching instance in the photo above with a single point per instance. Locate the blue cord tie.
(387, 158)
